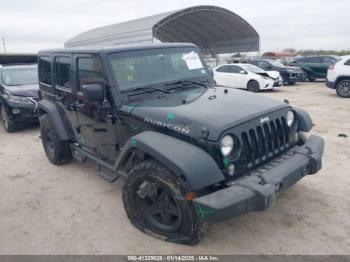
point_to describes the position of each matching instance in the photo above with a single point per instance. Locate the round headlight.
(226, 145)
(290, 118)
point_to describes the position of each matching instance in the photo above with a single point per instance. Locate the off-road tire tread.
(159, 170)
(63, 153)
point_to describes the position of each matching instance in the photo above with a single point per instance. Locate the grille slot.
(264, 142)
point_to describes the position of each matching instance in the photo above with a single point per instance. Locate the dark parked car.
(314, 66)
(190, 152)
(18, 95)
(289, 74)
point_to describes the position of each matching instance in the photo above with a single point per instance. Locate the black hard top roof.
(119, 48)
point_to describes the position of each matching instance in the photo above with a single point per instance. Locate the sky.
(31, 25)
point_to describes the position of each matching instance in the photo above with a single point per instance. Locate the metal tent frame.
(214, 29)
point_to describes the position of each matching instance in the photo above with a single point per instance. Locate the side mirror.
(93, 93)
(242, 72)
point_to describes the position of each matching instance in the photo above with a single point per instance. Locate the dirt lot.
(46, 209)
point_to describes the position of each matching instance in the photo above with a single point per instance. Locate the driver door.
(96, 133)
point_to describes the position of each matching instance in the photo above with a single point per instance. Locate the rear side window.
(329, 60)
(347, 63)
(90, 71)
(45, 75)
(224, 69)
(315, 60)
(302, 60)
(62, 64)
(236, 69)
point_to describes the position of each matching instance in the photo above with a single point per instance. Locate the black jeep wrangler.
(18, 95)
(190, 152)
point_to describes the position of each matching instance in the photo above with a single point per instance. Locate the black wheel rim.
(344, 89)
(254, 86)
(158, 207)
(4, 117)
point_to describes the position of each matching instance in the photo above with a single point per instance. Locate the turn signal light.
(190, 196)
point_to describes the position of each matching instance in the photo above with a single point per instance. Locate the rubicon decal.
(179, 129)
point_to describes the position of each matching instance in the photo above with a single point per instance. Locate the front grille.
(264, 142)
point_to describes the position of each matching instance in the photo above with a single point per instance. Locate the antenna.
(3, 43)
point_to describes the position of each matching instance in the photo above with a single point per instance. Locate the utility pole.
(3, 43)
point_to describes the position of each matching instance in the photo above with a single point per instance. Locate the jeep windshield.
(157, 67)
(19, 76)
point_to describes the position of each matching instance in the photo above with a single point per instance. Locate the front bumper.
(21, 112)
(295, 77)
(258, 189)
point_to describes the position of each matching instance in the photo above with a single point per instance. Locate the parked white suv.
(338, 76)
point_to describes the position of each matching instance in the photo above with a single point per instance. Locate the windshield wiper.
(146, 89)
(185, 83)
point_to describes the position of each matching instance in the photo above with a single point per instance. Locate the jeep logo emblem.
(264, 120)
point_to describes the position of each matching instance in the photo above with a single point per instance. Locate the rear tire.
(343, 88)
(8, 124)
(253, 86)
(308, 77)
(57, 151)
(154, 201)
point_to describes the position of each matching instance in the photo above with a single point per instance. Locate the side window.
(224, 69)
(236, 69)
(328, 60)
(347, 63)
(90, 71)
(63, 71)
(302, 60)
(315, 60)
(45, 70)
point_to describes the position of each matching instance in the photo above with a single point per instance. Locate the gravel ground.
(45, 209)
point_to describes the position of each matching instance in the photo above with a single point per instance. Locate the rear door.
(96, 132)
(64, 86)
(317, 67)
(223, 76)
(240, 79)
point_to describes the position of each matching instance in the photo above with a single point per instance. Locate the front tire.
(253, 86)
(57, 151)
(343, 89)
(154, 202)
(8, 124)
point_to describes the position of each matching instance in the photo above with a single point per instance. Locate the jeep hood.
(211, 110)
(24, 90)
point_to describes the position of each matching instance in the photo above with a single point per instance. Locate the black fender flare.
(304, 120)
(192, 164)
(56, 117)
